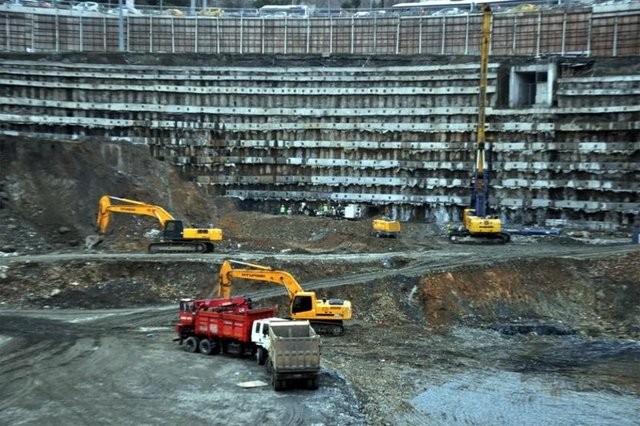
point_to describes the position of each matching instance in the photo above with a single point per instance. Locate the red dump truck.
(214, 326)
(289, 349)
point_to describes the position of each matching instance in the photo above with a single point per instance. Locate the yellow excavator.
(477, 225)
(325, 315)
(175, 238)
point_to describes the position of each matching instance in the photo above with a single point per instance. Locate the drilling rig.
(478, 226)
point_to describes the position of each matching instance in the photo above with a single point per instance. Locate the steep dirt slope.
(50, 191)
(49, 194)
(592, 296)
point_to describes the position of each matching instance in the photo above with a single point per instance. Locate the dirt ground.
(543, 330)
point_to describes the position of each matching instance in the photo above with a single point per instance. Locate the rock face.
(51, 191)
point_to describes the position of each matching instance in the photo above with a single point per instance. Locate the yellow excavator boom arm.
(256, 273)
(105, 208)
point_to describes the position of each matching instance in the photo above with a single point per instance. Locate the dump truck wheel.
(313, 383)
(206, 347)
(190, 345)
(215, 347)
(277, 386)
(261, 356)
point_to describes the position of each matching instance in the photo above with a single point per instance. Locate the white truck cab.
(260, 337)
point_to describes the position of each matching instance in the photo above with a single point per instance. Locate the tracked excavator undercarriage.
(331, 328)
(462, 236)
(180, 247)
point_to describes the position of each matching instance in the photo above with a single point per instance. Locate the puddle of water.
(533, 328)
(533, 380)
(494, 397)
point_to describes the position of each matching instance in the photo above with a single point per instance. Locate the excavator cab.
(481, 225)
(302, 303)
(173, 230)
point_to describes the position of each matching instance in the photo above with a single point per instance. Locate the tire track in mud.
(92, 367)
(38, 347)
(447, 251)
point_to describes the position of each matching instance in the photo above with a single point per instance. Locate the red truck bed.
(236, 326)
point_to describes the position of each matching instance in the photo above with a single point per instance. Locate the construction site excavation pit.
(542, 330)
(518, 341)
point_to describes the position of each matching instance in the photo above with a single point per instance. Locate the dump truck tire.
(190, 345)
(206, 347)
(261, 356)
(313, 383)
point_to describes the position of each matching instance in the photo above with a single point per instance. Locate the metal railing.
(544, 32)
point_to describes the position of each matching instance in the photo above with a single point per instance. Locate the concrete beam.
(339, 197)
(254, 90)
(195, 73)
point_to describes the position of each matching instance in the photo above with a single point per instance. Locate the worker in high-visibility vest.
(283, 209)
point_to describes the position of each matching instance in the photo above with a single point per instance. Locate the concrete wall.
(395, 135)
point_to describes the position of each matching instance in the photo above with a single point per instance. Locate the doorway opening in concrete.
(527, 87)
(532, 86)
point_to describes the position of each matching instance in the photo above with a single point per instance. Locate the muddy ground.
(541, 331)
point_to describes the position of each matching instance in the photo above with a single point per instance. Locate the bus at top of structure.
(444, 7)
(284, 11)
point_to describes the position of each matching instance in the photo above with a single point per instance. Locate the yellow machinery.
(385, 227)
(175, 237)
(325, 315)
(478, 226)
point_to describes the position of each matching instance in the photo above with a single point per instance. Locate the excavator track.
(180, 247)
(328, 328)
(492, 239)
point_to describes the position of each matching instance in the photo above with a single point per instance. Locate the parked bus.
(284, 11)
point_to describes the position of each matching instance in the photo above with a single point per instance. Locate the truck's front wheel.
(261, 356)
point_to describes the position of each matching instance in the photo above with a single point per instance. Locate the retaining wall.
(397, 136)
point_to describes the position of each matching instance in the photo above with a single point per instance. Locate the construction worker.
(283, 209)
(325, 209)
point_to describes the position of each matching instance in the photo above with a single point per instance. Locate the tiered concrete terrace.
(395, 134)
